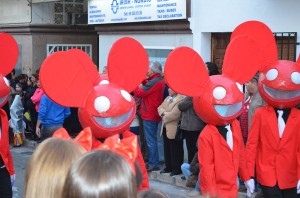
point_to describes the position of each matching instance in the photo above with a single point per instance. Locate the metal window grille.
(286, 45)
(51, 48)
(61, 10)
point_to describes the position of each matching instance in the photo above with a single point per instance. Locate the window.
(62, 9)
(51, 48)
(159, 55)
(286, 45)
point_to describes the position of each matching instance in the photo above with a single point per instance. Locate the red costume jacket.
(275, 159)
(4, 144)
(219, 165)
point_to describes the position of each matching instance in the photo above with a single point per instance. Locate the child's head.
(38, 83)
(19, 87)
(34, 78)
(22, 78)
(101, 173)
(48, 167)
(151, 194)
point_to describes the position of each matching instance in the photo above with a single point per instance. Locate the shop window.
(159, 55)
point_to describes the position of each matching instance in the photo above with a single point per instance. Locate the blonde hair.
(48, 167)
(100, 174)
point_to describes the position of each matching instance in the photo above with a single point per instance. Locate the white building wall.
(159, 41)
(225, 15)
(42, 13)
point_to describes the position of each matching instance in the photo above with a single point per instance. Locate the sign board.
(15, 11)
(124, 11)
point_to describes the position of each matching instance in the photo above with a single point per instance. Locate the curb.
(166, 178)
(177, 181)
(30, 143)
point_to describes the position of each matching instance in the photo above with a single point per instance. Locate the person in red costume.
(218, 100)
(8, 57)
(273, 147)
(104, 103)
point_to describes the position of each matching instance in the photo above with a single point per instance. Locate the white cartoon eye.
(296, 77)
(104, 82)
(102, 104)
(239, 86)
(219, 93)
(6, 81)
(272, 74)
(126, 95)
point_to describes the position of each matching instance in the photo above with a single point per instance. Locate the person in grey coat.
(191, 126)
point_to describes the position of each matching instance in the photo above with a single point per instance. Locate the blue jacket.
(52, 114)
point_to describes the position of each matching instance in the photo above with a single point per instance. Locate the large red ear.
(8, 53)
(87, 64)
(68, 77)
(240, 60)
(127, 63)
(185, 71)
(264, 37)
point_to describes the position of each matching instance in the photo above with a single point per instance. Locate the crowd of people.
(31, 111)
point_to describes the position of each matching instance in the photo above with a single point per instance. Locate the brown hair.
(36, 76)
(48, 167)
(102, 174)
(151, 194)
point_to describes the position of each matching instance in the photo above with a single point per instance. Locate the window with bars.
(286, 45)
(62, 9)
(51, 48)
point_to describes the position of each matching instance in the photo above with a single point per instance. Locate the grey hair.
(156, 67)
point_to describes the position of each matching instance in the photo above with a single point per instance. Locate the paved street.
(171, 190)
(20, 156)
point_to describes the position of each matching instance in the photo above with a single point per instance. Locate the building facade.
(206, 28)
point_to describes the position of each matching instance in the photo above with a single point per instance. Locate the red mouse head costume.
(8, 59)
(71, 79)
(218, 99)
(279, 82)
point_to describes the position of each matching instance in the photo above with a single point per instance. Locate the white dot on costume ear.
(104, 82)
(239, 86)
(6, 81)
(295, 77)
(102, 104)
(219, 93)
(272, 74)
(126, 95)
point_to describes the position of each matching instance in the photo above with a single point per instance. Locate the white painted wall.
(160, 41)
(14, 11)
(225, 15)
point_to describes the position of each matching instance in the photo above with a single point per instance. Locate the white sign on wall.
(124, 11)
